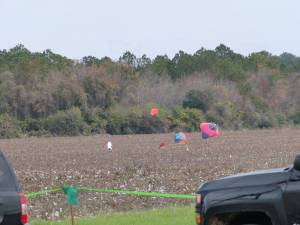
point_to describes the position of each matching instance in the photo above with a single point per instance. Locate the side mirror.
(297, 163)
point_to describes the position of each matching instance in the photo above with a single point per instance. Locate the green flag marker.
(71, 195)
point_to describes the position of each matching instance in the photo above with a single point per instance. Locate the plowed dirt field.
(136, 163)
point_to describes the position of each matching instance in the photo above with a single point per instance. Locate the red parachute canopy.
(154, 111)
(162, 145)
(209, 130)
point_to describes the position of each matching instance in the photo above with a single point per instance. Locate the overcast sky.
(77, 28)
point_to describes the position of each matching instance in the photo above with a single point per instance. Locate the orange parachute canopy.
(154, 111)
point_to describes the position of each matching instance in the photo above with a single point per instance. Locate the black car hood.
(257, 178)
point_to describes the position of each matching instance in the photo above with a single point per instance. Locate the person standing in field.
(109, 146)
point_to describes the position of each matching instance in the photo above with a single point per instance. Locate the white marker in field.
(109, 146)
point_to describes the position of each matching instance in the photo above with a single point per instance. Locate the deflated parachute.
(209, 130)
(180, 138)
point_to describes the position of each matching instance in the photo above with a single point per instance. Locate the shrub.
(35, 127)
(186, 119)
(117, 121)
(69, 122)
(159, 124)
(95, 119)
(295, 118)
(137, 120)
(9, 127)
(225, 114)
(198, 99)
(260, 104)
(259, 120)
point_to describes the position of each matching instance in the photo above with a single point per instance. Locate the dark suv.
(13, 207)
(269, 197)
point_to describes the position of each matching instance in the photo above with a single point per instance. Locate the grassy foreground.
(165, 216)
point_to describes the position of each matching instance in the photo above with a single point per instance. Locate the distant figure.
(109, 146)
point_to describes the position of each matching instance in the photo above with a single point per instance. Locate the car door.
(291, 197)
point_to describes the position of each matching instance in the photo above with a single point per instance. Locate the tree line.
(44, 93)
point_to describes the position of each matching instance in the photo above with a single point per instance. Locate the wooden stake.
(72, 215)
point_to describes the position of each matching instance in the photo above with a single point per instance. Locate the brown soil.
(136, 163)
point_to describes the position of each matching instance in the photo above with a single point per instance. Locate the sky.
(78, 28)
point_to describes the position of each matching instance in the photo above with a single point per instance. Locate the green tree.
(199, 99)
(262, 59)
(183, 64)
(128, 58)
(204, 59)
(288, 62)
(162, 65)
(228, 70)
(90, 60)
(223, 51)
(143, 62)
(98, 93)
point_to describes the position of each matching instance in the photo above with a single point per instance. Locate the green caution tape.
(44, 192)
(140, 193)
(117, 191)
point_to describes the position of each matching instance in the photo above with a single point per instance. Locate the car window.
(7, 181)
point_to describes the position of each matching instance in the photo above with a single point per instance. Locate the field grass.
(165, 216)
